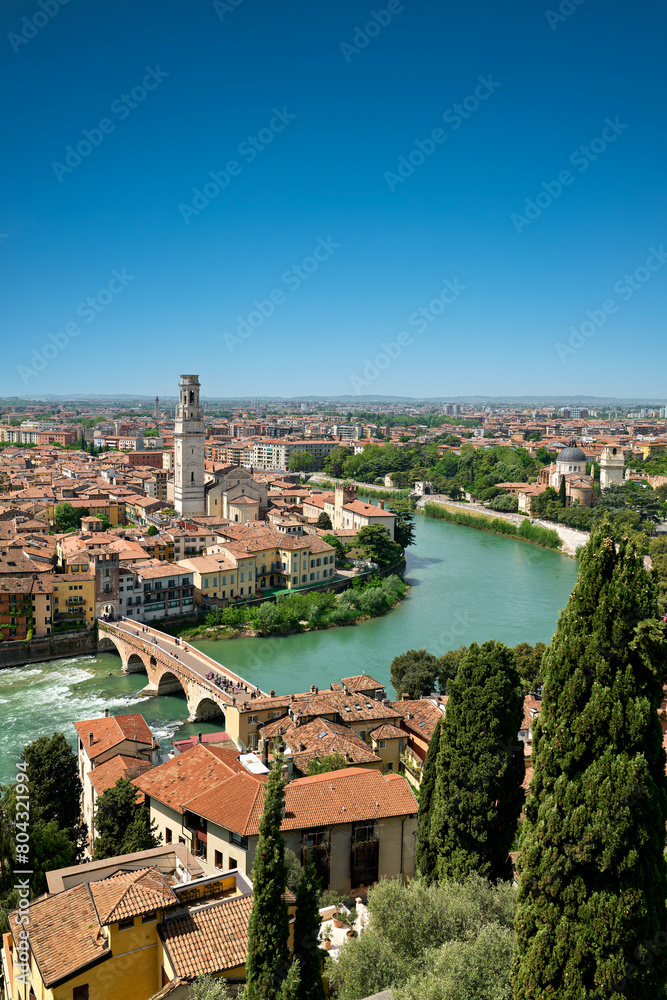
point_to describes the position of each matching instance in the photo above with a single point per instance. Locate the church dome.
(571, 454)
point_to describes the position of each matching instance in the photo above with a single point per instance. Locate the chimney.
(91, 739)
(405, 696)
(312, 688)
(198, 737)
(380, 504)
(106, 713)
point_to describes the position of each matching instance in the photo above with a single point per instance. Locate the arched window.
(192, 397)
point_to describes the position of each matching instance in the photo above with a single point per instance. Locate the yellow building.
(124, 934)
(74, 598)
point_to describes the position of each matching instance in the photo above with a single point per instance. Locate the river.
(466, 585)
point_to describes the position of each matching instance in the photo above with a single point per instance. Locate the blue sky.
(303, 267)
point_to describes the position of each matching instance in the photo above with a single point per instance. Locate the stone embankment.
(571, 538)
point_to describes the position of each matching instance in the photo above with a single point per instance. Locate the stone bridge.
(173, 665)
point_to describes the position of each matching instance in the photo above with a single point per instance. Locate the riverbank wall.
(571, 538)
(19, 654)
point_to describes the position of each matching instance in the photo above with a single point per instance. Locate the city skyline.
(349, 201)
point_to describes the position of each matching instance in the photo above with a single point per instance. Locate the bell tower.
(189, 494)
(612, 466)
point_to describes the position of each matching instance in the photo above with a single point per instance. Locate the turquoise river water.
(466, 585)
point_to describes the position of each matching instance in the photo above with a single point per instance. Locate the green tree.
(414, 673)
(448, 665)
(338, 547)
(428, 932)
(53, 780)
(375, 544)
(205, 987)
(306, 931)
(152, 531)
(324, 521)
(529, 664)
(333, 463)
(68, 518)
(591, 919)
(294, 870)
(404, 528)
(51, 848)
(424, 857)
(301, 461)
(332, 762)
(562, 495)
(479, 773)
(123, 825)
(268, 928)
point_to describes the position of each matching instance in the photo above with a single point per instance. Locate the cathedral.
(570, 464)
(229, 492)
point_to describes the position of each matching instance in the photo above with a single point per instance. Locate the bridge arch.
(135, 664)
(205, 708)
(169, 683)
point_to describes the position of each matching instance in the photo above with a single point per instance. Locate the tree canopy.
(122, 823)
(591, 918)
(478, 791)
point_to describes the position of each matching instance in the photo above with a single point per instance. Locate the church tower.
(189, 496)
(612, 467)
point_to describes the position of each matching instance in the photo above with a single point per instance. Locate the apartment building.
(359, 824)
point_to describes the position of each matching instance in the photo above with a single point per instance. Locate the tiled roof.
(419, 715)
(386, 732)
(107, 774)
(65, 933)
(345, 797)
(179, 781)
(211, 939)
(130, 893)
(111, 730)
(235, 803)
(362, 682)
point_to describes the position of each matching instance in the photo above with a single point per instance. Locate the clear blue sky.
(388, 244)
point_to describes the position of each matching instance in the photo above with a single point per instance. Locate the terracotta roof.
(130, 893)
(386, 732)
(321, 738)
(107, 774)
(361, 683)
(345, 797)
(58, 954)
(419, 715)
(197, 772)
(235, 803)
(211, 939)
(111, 730)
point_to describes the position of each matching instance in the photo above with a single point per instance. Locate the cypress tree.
(478, 791)
(591, 918)
(562, 497)
(424, 858)
(268, 928)
(306, 931)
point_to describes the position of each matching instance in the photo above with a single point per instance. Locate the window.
(382, 744)
(362, 734)
(167, 835)
(238, 840)
(253, 718)
(148, 918)
(124, 925)
(80, 992)
(218, 859)
(232, 862)
(389, 766)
